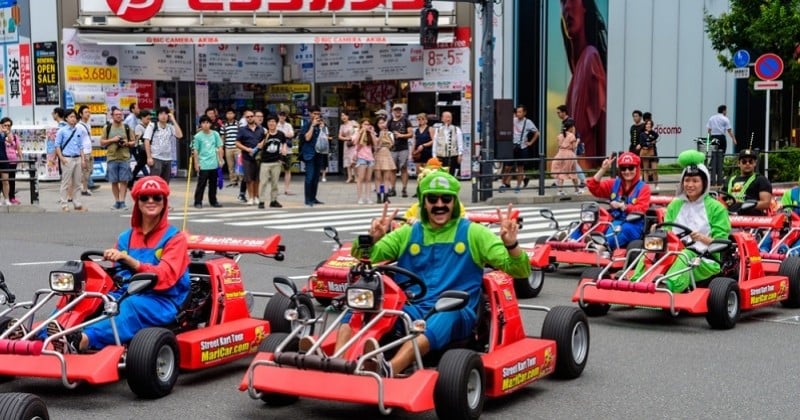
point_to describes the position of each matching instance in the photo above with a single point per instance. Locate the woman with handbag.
(647, 151)
(346, 131)
(384, 164)
(13, 154)
(423, 142)
(364, 139)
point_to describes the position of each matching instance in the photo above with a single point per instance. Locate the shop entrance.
(180, 97)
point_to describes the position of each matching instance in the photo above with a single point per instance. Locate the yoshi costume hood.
(439, 183)
(692, 162)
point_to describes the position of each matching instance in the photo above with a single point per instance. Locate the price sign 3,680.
(92, 74)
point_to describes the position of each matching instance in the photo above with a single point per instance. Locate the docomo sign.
(142, 10)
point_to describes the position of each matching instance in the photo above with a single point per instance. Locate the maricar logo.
(135, 10)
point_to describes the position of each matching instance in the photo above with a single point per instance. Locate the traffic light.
(429, 27)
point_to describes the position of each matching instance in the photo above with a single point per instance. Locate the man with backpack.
(142, 124)
(159, 139)
(118, 139)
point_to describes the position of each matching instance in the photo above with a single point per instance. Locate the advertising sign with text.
(45, 70)
(358, 62)
(157, 62)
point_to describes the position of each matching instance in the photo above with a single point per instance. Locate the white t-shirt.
(162, 141)
(520, 136)
(86, 143)
(719, 124)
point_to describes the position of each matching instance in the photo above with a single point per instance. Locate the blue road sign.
(741, 58)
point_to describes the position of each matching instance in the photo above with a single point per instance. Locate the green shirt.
(113, 151)
(485, 247)
(206, 146)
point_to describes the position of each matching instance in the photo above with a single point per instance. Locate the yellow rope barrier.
(186, 200)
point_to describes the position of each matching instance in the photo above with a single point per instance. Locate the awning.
(408, 38)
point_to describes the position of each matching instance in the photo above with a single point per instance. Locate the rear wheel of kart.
(790, 267)
(632, 255)
(22, 406)
(459, 391)
(152, 363)
(569, 328)
(593, 309)
(270, 344)
(530, 287)
(278, 304)
(723, 303)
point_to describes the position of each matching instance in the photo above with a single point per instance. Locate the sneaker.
(657, 189)
(369, 201)
(242, 199)
(318, 202)
(579, 192)
(115, 206)
(16, 333)
(516, 190)
(378, 363)
(67, 344)
(362, 201)
(287, 192)
(6, 203)
(261, 205)
(122, 206)
(86, 193)
(77, 206)
(324, 179)
(216, 205)
(64, 207)
(562, 193)
(525, 181)
(15, 202)
(198, 205)
(251, 202)
(503, 187)
(405, 194)
(305, 344)
(256, 200)
(274, 204)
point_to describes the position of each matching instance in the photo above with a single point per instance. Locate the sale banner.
(45, 70)
(26, 79)
(14, 76)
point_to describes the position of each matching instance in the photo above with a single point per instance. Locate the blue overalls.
(766, 244)
(147, 309)
(629, 231)
(444, 266)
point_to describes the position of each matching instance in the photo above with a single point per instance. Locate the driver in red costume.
(151, 245)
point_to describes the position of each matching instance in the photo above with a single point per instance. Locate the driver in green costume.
(703, 214)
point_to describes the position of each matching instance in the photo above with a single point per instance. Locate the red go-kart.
(329, 279)
(497, 360)
(741, 285)
(594, 219)
(212, 327)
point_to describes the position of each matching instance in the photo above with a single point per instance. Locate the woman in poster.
(585, 43)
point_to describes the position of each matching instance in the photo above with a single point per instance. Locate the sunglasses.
(155, 198)
(747, 161)
(433, 198)
(627, 168)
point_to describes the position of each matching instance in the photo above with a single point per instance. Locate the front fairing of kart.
(96, 368)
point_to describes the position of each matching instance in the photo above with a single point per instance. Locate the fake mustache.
(440, 210)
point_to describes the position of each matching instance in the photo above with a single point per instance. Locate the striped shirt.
(230, 132)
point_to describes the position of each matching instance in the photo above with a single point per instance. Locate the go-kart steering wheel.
(684, 233)
(726, 197)
(413, 280)
(112, 270)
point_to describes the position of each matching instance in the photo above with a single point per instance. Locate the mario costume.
(164, 252)
(705, 215)
(789, 200)
(635, 196)
(451, 257)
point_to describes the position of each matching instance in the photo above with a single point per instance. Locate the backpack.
(108, 131)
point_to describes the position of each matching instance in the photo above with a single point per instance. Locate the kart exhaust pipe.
(626, 286)
(314, 362)
(21, 347)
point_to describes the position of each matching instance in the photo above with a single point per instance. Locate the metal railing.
(33, 177)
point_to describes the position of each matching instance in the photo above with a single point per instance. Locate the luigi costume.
(704, 214)
(450, 257)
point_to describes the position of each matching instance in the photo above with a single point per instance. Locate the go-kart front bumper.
(94, 368)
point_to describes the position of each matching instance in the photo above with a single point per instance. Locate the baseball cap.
(400, 107)
(748, 153)
(381, 112)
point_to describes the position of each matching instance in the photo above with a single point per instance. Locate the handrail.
(33, 176)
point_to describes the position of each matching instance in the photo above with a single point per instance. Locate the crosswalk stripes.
(350, 222)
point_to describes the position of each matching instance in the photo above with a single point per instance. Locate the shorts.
(400, 158)
(118, 171)
(251, 170)
(364, 162)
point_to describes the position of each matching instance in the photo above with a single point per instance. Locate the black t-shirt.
(400, 126)
(272, 147)
(250, 138)
(751, 191)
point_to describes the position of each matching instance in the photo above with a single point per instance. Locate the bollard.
(34, 181)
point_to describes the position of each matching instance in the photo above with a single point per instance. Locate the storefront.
(270, 55)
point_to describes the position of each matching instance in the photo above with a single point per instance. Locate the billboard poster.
(577, 52)
(45, 71)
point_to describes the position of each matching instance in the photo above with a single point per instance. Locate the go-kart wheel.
(631, 255)
(531, 286)
(723, 303)
(569, 328)
(593, 309)
(152, 363)
(790, 267)
(22, 406)
(270, 344)
(459, 391)
(275, 312)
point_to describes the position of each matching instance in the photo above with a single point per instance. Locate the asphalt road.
(642, 363)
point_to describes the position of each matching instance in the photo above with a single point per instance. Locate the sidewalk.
(334, 193)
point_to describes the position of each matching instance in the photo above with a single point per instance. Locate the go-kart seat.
(479, 339)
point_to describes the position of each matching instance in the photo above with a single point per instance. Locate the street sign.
(768, 67)
(768, 85)
(741, 73)
(741, 58)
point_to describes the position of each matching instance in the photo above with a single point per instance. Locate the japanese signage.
(9, 21)
(342, 62)
(157, 62)
(2, 83)
(145, 93)
(446, 64)
(142, 10)
(238, 63)
(45, 68)
(18, 62)
(88, 63)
